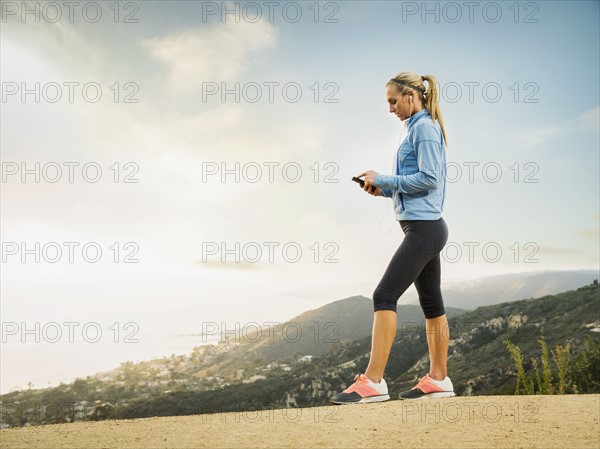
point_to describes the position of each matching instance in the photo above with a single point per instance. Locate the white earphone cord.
(405, 135)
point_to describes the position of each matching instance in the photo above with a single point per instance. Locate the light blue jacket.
(418, 185)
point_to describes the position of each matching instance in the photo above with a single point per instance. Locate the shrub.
(524, 384)
(580, 374)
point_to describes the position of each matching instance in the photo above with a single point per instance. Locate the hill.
(312, 333)
(490, 290)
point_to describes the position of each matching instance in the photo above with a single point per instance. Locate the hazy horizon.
(108, 356)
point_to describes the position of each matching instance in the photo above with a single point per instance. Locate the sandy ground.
(465, 422)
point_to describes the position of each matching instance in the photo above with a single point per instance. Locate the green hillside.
(312, 333)
(478, 361)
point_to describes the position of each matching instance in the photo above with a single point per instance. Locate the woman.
(418, 189)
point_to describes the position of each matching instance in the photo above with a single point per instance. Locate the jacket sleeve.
(386, 193)
(428, 149)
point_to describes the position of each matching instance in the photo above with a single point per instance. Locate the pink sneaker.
(361, 391)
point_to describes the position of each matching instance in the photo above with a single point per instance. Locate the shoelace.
(361, 378)
(421, 381)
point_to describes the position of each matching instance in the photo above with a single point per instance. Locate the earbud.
(410, 99)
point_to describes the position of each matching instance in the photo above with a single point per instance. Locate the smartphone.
(360, 181)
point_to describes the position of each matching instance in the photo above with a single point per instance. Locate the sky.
(186, 163)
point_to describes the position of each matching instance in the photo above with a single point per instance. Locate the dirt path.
(466, 422)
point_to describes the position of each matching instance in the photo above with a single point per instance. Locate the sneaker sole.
(439, 394)
(383, 397)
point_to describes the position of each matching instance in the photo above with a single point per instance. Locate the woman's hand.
(369, 180)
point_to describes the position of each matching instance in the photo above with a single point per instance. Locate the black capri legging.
(416, 260)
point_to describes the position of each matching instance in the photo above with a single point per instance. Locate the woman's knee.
(435, 313)
(384, 299)
(432, 308)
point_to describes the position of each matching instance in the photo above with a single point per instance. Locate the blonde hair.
(429, 97)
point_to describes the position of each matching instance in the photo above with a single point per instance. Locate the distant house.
(305, 358)
(80, 406)
(254, 379)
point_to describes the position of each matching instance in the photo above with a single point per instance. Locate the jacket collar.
(411, 120)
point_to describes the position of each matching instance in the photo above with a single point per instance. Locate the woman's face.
(399, 104)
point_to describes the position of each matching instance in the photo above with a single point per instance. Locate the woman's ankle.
(437, 375)
(373, 377)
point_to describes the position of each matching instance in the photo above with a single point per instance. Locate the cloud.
(540, 135)
(590, 119)
(558, 251)
(62, 51)
(589, 234)
(534, 137)
(228, 264)
(219, 53)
